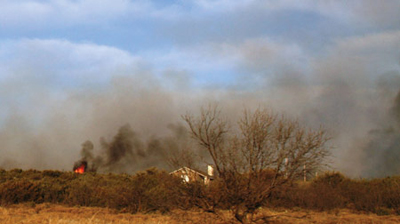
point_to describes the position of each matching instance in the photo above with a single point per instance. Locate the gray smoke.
(128, 153)
(395, 111)
(349, 88)
(382, 151)
(125, 144)
(87, 155)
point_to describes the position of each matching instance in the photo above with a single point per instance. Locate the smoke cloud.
(352, 89)
(382, 150)
(128, 153)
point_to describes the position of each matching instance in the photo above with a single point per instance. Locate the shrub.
(155, 190)
(13, 192)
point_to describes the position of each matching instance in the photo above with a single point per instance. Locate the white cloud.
(61, 59)
(14, 13)
(64, 12)
(257, 54)
(89, 11)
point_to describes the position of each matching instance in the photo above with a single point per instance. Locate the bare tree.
(209, 130)
(182, 158)
(268, 151)
(181, 150)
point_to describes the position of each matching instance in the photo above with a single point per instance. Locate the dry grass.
(58, 214)
(302, 216)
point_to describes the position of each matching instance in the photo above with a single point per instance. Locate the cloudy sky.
(72, 70)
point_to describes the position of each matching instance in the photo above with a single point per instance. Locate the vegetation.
(157, 191)
(266, 152)
(151, 190)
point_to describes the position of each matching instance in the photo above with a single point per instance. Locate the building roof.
(187, 169)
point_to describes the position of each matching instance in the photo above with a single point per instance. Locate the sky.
(73, 70)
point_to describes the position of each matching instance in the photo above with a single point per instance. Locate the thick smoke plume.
(382, 151)
(128, 153)
(87, 155)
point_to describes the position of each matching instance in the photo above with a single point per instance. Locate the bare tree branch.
(268, 151)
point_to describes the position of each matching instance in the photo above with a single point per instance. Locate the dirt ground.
(52, 214)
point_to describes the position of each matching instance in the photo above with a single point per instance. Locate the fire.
(81, 168)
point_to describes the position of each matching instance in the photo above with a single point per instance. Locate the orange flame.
(80, 169)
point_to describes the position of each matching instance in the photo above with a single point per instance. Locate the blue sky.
(78, 64)
(183, 35)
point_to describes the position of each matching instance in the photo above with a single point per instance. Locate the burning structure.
(190, 175)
